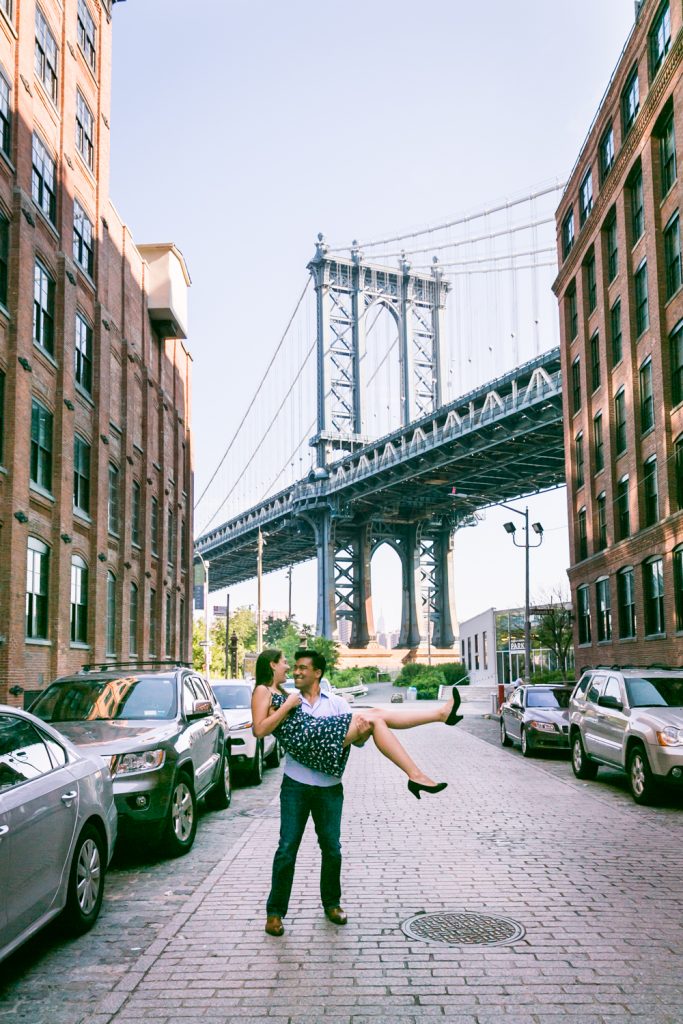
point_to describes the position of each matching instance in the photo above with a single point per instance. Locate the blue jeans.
(324, 804)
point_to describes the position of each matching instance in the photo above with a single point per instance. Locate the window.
(579, 460)
(484, 649)
(5, 115)
(598, 444)
(169, 631)
(678, 586)
(110, 623)
(584, 614)
(136, 502)
(615, 332)
(41, 446)
(595, 361)
(43, 308)
(606, 153)
(647, 407)
(113, 499)
(611, 246)
(583, 537)
(623, 513)
(672, 255)
(601, 507)
(620, 422)
(572, 312)
(2, 417)
(133, 620)
(576, 384)
(81, 475)
(642, 311)
(85, 130)
(603, 607)
(4, 258)
(651, 491)
(591, 286)
(154, 527)
(84, 250)
(37, 578)
(678, 469)
(667, 154)
(86, 34)
(46, 58)
(79, 600)
(637, 204)
(182, 631)
(660, 38)
(43, 178)
(567, 234)
(653, 595)
(170, 540)
(626, 600)
(83, 354)
(585, 197)
(153, 622)
(630, 101)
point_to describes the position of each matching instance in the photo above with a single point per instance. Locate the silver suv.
(629, 718)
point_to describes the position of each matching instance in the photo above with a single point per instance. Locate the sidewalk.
(595, 884)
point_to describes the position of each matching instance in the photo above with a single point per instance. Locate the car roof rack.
(104, 666)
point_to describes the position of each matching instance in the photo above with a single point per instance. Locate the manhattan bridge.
(416, 383)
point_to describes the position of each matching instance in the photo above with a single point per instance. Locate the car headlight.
(542, 726)
(670, 737)
(144, 761)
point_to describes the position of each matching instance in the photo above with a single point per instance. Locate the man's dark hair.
(317, 660)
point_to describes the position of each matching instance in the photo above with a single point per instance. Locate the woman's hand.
(293, 701)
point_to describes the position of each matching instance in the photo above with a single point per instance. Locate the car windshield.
(547, 698)
(653, 692)
(233, 696)
(91, 700)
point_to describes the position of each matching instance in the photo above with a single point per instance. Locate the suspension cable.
(465, 241)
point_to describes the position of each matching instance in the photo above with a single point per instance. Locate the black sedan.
(535, 717)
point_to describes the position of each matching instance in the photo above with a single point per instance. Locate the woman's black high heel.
(416, 788)
(453, 716)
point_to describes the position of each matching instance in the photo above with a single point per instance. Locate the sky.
(241, 128)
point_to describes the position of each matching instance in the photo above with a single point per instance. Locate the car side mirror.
(610, 702)
(201, 709)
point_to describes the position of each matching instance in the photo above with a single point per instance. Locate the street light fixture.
(538, 530)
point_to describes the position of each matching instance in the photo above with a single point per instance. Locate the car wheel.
(274, 757)
(219, 796)
(256, 770)
(640, 777)
(181, 820)
(583, 767)
(504, 738)
(527, 745)
(86, 882)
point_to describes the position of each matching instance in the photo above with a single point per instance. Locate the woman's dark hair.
(264, 671)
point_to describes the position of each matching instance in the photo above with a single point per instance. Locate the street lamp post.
(207, 642)
(259, 581)
(538, 529)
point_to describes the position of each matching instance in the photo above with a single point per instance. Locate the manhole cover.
(462, 928)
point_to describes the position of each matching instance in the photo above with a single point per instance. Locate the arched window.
(37, 583)
(110, 625)
(133, 620)
(79, 600)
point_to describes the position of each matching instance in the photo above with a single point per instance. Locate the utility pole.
(259, 578)
(289, 607)
(207, 641)
(429, 626)
(227, 635)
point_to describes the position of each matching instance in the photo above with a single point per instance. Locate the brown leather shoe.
(336, 915)
(274, 925)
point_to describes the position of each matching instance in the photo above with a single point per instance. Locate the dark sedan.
(536, 717)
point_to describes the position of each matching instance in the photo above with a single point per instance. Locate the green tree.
(555, 628)
(198, 628)
(275, 629)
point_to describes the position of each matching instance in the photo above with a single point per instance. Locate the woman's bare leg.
(358, 729)
(393, 749)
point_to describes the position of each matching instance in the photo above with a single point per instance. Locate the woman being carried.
(323, 743)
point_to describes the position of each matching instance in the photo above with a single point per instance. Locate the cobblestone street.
(593, 879)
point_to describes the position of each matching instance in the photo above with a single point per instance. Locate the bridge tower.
(346, 290)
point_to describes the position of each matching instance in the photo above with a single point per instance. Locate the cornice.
(615, 178)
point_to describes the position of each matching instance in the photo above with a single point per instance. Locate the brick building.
(95, 459)
(621, 321)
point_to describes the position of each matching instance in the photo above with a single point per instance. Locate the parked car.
(632, 719)
(247, 753)
(164, 737)
(57, 830)
(536, 716)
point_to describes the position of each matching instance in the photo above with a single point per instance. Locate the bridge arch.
(380, 370)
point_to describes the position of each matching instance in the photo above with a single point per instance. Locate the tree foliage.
(555, 628)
